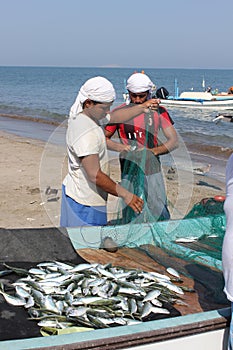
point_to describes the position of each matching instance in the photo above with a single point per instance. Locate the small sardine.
(49, 304)
(36, 271)
(5, 272)
(172, 287)
(13, 300)
(153, 294)
(17, 270)
(30, 303)
(21, 292)
(149, 308)
(54, 323)
(97, 322)
(132, 306)
(173, 272)
(156, 302)
(76, 312)
(186, 239)
(81, 267)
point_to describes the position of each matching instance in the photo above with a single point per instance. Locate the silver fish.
(132, 322)
(132, 306)
(153, 294)
(156, 302)
(5, 272)
(49, 304)
(97, 322)
(54, 324)
(22, 292)
(17, 270)
(82, 267)
(172, 287)
(94, 295)
(76, 312)
(105, 273)
(173, 272)
(186, 239)
(13, 300)
(30, 303)
(36, 271)
(149, 308)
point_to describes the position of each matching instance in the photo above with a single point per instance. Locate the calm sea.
(49, 92)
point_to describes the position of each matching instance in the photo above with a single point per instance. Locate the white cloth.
(84, 137)
(139, 82)
(98, 89)
(227, 249)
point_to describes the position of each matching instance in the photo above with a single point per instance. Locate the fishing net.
(141, 174)
(206, 206)
(197, 234)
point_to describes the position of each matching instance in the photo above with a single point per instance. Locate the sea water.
(48, 93)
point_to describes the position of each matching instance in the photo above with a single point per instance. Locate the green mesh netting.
(141, 175)
(197, 237)
(206, 206)
(136, 166)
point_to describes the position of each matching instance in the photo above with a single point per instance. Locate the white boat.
(193, 99)
(206, 99)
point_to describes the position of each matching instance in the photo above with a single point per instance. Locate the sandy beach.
(32, 172)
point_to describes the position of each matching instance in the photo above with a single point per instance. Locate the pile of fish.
(62, 295)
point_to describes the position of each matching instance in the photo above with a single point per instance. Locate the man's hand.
(134, 202)
(95, 175)
(152, 104)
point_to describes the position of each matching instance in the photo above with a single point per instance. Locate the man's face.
(139, 97)
(100, 110)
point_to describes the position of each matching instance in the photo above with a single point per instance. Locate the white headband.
(139, 82)
(98, 89)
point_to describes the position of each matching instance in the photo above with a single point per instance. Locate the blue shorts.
(74, 214)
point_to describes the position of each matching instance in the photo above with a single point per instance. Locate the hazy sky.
(124, 33)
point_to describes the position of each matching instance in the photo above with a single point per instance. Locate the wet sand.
(32, 172)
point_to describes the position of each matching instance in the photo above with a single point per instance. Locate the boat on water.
(192, 99)
(206, 99)
(193, 245)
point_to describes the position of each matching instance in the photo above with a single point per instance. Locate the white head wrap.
(139, 82)
(98, 89)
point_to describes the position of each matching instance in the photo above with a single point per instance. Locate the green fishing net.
(206, 206)
(141, 174)
(196, 235)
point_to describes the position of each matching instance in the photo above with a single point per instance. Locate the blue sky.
(121, 33)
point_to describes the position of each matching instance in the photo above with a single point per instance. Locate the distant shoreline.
(29, 118)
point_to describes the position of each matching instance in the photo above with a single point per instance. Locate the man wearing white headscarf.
(87, 184)
(141, 133)
(98, 89)
(139, 82)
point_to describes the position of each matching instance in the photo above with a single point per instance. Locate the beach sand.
(32, 173)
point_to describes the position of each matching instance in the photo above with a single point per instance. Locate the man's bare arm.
(170, 144)
(95, 175)
(121, 115)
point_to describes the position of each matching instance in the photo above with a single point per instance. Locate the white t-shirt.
(84, 137)
(227, 249)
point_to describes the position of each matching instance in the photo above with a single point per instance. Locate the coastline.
(30, 167)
